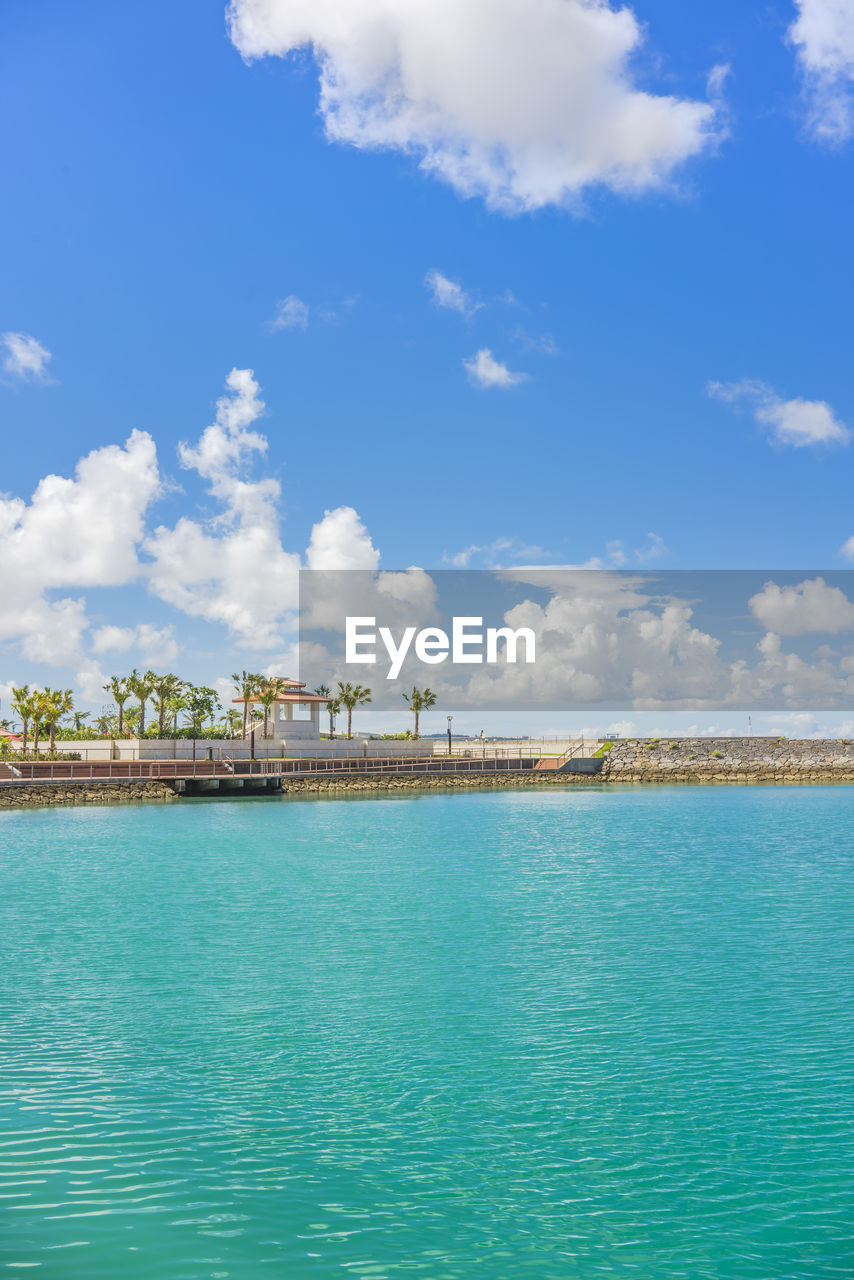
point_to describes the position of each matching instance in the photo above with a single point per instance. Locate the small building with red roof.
(294, 712)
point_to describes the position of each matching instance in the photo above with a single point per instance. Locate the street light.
(450, 718)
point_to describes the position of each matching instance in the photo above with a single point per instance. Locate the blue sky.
(164, 195)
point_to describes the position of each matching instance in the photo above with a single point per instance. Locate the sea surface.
(582, 1033)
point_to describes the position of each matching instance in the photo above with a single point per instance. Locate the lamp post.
(450, 718)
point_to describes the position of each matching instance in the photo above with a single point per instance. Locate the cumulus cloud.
(341, 541)
(823, 36)
(523, 102)
(233, 569)
(73, 533)
(228, 568)
(291, 313)
(449, 294)
(812, 605)
(486, 372)
(157, 645)
(25, 356)
(794, 422)
(112, 639)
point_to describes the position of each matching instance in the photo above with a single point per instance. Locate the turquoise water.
(543, 1034)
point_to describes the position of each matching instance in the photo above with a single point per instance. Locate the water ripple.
(594, 1034)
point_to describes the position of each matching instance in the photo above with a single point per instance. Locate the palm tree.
(246, 683)
(267, 695)
(22, 702)
(333, 706)
(120, 690)
(165, 688)
(57, 703)
(141, 685)
(40, 707)
(350, 696)
(176, 702)
(79, 717)
(233, 721)
(104, 723)
(419, 700)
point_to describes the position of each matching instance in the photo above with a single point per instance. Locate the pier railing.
(480, 761)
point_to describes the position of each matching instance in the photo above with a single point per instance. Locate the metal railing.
(360, 766)
(476, 760)
(116, 770)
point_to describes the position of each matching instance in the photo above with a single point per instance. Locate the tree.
(79, 717)
(57, 703)
(104, 723)
(22, 702)
(233, 720)
(175, 703)
(165, 688)
(350, 696)
(202, 705)
(333, 706)
(419, 700)
(141, 686)
(267, 695)
(120, 691)
(246, 684)
(40, 712)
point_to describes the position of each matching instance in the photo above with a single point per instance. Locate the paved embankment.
(639, 760)
(742, 760)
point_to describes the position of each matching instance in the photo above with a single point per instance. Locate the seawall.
(48, 795)
(744, 760)
(638, 760)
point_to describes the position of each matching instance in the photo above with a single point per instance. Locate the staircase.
(579, 758)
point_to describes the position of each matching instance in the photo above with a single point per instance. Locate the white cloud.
(616, 554)
(112, 639)
(291, 313)
(157, 645)
(823, 36)
(341, 541)
(233, 569)
(449, 294)
(485, 371)
(492, 554)
(230, 568)
(812, 605)
(74, 533)
(523, 102)
(796, 422)
(25, 356)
